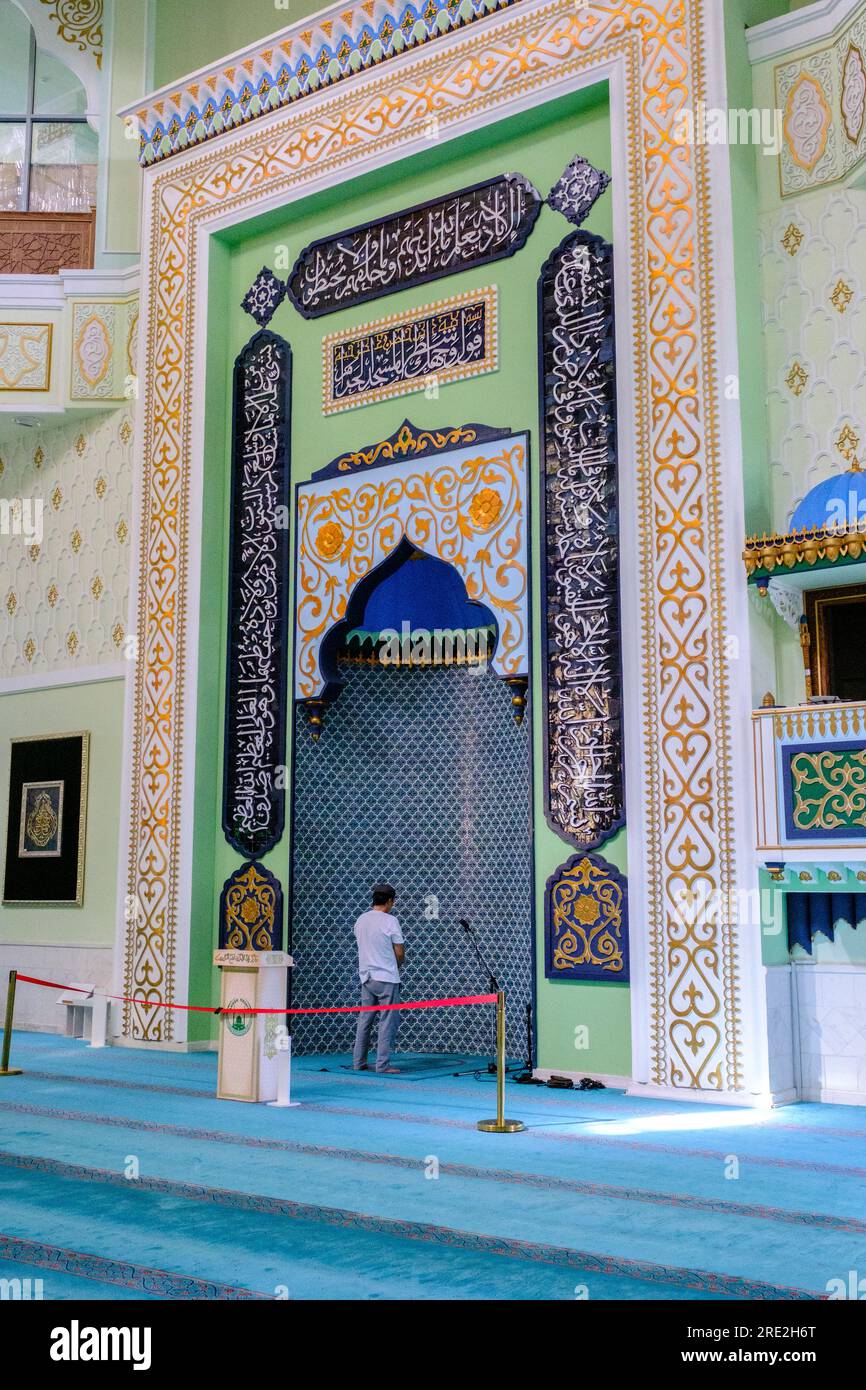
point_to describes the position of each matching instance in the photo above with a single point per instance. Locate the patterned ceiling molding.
(78, 23)
(310, 55)
(823, 99)
(467, 506)
(698, 992)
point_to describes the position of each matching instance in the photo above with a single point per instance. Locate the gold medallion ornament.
(484, 508)
(251, 910)
(41, 825)
(329, 538)
(586, 924)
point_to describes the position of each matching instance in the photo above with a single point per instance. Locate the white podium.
(250, 1044)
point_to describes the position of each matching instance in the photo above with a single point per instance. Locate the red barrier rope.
(209, 1009)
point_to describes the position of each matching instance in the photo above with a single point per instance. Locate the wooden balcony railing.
(810, 782)
(44, 243)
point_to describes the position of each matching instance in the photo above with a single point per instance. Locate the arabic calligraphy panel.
(256, 677)
(583, 704)
(418, 350)
(460, 232)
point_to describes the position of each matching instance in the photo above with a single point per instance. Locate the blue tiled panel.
(422, 778)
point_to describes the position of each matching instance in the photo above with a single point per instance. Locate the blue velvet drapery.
(809, 913)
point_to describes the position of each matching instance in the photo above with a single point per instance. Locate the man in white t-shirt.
(380, 955)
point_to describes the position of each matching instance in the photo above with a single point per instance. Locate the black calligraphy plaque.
(257, 658)
(460, 232)
(583, 674)
(444, 342)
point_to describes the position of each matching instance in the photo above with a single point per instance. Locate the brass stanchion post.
(5, 1069)
(500, 1125)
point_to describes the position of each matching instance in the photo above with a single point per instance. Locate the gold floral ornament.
(125, 432)
(96, 588)
(796, 379)
(39, 456)
(431, 503)
(122, 531)
(52, 596)
(79, 23)
(841, 296)
(100, 487)
(117, 634)
(587, 935)
(29, 649)
(250, 907)
(848, 442)
(329, 539)
(587, 910)
(485, 508)
(57, 498)
(11, 604)
(72, 642)
(75, 540)
(793, 239)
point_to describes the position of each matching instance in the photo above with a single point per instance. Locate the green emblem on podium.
(239, 1024)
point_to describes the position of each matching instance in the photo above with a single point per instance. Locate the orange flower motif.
(329, 538)
(485, 508)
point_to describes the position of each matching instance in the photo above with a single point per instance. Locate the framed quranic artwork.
(45, 836)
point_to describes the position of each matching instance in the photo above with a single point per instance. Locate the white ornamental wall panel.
(813, 262)
(822, 97)
(64, 594)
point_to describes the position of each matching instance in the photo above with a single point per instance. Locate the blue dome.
(839, 501)
(424, 592)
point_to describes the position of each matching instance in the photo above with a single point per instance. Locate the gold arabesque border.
(693, 987)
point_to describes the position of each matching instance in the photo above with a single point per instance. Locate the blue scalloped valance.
(809, 913)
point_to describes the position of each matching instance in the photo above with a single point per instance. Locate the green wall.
(97, 707)
(538, 145)
(191, 34)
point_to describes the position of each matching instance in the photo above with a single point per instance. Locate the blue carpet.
(121, 1171)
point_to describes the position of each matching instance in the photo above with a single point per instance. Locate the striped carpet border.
(840, 1170)
(120, 1273)
(585, 1261)
(540, 1181)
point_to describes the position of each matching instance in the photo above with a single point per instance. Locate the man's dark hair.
(383, 893)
